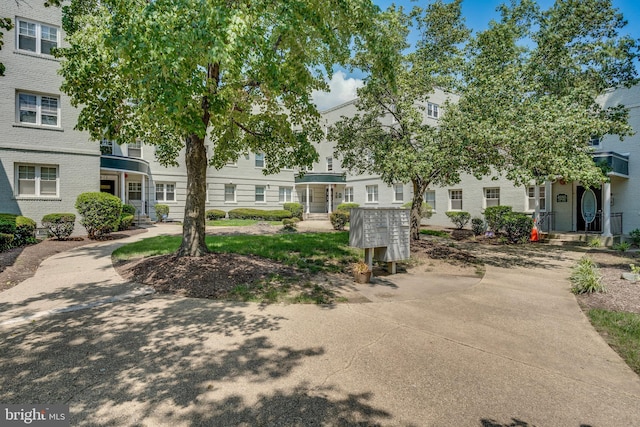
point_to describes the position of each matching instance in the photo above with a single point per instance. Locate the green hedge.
(59, 224)
(258, 214)
(213, 214)
(162, 211)
(295, 209)
(8, 223)
(25, 231)
(126, 221)
(6, 241)
(347, 206)
(100, 213)
(459, 218)
(128, 209)
(517, 227)
(494, 216)
(339, 219)
(478, 226)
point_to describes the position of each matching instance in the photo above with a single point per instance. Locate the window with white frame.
(165, 192)
(106, 147)
(260, 196)
(135, 191)
(36, 37)
(348, 195)
(430, 198)
(433, 110)
(329, 164)
(455, 200)
(259, 162)
(285, 194)
(229, 193)
(134, 149)
(303, 196)
(37, 180)
(41, 110)
(491, 197)
(594, 140)
(398, 192)
(372, 194)
(531, 197)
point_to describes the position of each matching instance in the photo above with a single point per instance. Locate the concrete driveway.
(513, 349)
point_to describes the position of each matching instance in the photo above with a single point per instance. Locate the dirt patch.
(427, 248)
(19, 264)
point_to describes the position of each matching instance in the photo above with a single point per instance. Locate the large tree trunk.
(193, 229)
(419, 187)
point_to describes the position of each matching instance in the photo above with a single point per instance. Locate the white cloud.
(342, 89)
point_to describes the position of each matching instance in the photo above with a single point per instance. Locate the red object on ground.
(534, 233)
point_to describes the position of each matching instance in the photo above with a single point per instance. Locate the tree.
(176, 72)
(532, 84)
(5, 24)
(389, 135)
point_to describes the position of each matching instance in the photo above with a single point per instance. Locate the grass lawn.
(309, 251)
(622, 331)
(238, 222)
(438, 233)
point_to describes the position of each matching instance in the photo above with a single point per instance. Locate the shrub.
(8, 223)
(6, 241)
(59, 224)
(213, 214)
(478, 226)
(594, 242)
(339, 219)
(258, 214)
(622, 246)
(128, 209)
(459, 218)
(425, 210)
(25, 231)
(290, 224)
(162, 211)
(586, 278)
(126, 221)
(100, 213)
(295, 209)
(494, 217)
(347, 206)
(634, 235)
(517, 227)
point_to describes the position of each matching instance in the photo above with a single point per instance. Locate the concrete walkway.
(511, 350)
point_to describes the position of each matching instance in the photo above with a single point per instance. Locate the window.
(36, 37)
(398, 192)
(134, 149)
(135, 191)
(165, 192)
(531, 197)
(594, 140)
(430, 198)
(37, 180)
(106, 147)
(372, 194)
(232, 163)
(229, 193)
(259, 160)
(39, 110)
(303, 196)
(285, 194)
(491, 197)
(433, 110)
(348, 195)
(455, 198)
(260, 197)
(329, 164)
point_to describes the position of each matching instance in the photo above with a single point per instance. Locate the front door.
(583, 202)
(108, 186)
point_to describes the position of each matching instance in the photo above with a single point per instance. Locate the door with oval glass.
(589, 209)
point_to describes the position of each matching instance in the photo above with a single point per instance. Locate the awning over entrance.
(321, 178)
(124, 164)
(616, 162)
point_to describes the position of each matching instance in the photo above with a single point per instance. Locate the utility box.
(384, 234)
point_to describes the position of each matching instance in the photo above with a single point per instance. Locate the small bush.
(347, 206)
(517, 227)
(100, 213)
(634, 235)
(25, 231)
(594, 242)
(214, 214)
(8, 223)
(162, 211)
(425, 210)
(126, 221)
(6, 241)
(459, 218)
(622, 246)
(586, 278)
(339, 219)
(290, 224)
(478, 226)
(128, 209)
(258, 214)
(295, 209)
(59, 224)
(494, 217)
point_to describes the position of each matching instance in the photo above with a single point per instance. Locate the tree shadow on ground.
(182, 360)
(530, 255)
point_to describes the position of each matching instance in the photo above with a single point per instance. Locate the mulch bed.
(19, 264)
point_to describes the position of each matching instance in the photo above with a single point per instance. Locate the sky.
(477, 14)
